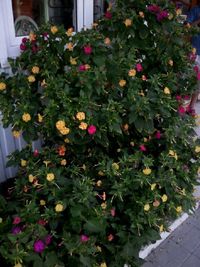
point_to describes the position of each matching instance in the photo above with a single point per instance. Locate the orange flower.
(128, 22)
(54, 29)
(61, 150)
(132, 73)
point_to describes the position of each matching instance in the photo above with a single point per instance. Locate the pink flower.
(112, 212)
(198, 76)
(162, 15)
(186, 97)
(158, 135)
(192, 56)
(87, 49)
(36, 153)
(143, 148)
(108, 15)
(181, 110)
(178, 97)
(39, 246)
(17, 220)
(23, 47)
(42, 222)
(82, 68)
(196, 69)
(47, 239)
(139, 67)
(153, 8)
(92, 129)
(84, 238)
(16, 230)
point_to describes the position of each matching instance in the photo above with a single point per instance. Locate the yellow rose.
(40, 118)
(83, 126)
(103, 264)
(128, 22)
(50, 177)
(31, 79)
(54, 29)
(171, 62)
(23, 163)
(107, 41)
(69, 32)
(141, 14)
(147, 171)
(122, 83)
(60, 124)
(115, 166)
(42, 202)
(161, 228)
(70, 46)
(64, 131)
(197, 149)
(170, 16)
(73, 61)
(164, 198)
(132, 73)
(146, 207)
(16, 134)
(59, 208)
(31, 178)
(26, 117)
(179, 209)
(167, 91)
(35, 70)
(66, 140)
(153, 186)
(194, 50)
(99, 183)
(63, 162)
(104, 205)
(2, 86)
(18, 265)
(80, 116)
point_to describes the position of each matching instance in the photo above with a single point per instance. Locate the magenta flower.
(139, 67)
(112, 212)
(23, 47)
(92, 129)
(186, 97)
(36, 153)
(82, 68)
(178, 97)
(16, 220)
(198, 76)
(87, 49)
(196, 69)
(143, 148)
(158, 135)
(47, 239)
(192, 56)
(84, 238)
(24, 40)
(16, 230)
(153, 8)
(108, 15)
(181, 110)
(162, 15)
(39, 246)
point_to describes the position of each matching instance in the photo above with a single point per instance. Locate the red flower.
(84, 238)
(17, 220)
(143, 148)
(139, 67)
(42, 222)
(108, 15)
(23, 47)
(178, 97)
(92, 129)
(158, 135)
(36, 153)
(110, 237)
(87, 49)
(181, 110)
(82, 68)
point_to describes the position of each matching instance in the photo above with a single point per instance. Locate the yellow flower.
(23, 163)
(99, 183)
(178, 11)
(153, 186)
(60, 124)
(18, 265)
(167, 91)
(43, 83)
(103, 264)
(32, 36)
(42, 202)
(161, 228)
(122, 83)
(35, 70)
(128, 22)
(104, 205)
(146, 207)
(171, 62)
(50, 177)
(26, 117)
(194, 50)
(46, 162)
(64, 131)
(69, 32)
(66, 140)
(132, 143)
(100, 173)
(179, 209)
(63, 162)
(70, 46)
(145, 139)
(16, 134)
(107, 41)
(147, 171)
(99, 249)
(164, 198)
(31, 178)
(40, 118)
(73, 61)
(132, 73)
(83, 125)
(80, 116)
(197, 149)
(59, 208)
(173, 154)
(54, 29)
(115, 166)
(2, 86)
(31, 79)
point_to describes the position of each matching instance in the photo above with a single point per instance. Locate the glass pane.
(30, 14)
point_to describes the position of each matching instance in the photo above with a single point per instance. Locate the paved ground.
(182, 247)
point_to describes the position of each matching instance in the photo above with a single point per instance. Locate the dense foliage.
(119, 158)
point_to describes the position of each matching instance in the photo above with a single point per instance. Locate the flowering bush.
(119, 158)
